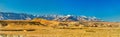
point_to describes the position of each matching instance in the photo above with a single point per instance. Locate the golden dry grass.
(70, 32)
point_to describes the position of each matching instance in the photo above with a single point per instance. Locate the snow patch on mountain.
(22, 16)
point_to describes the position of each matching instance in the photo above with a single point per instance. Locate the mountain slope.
(15, 16)
(22, 16)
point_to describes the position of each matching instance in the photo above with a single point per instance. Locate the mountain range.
(23, 16)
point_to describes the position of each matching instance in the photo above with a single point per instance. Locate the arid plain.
(48, 28)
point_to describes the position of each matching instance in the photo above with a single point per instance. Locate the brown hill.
(52, 23)
(76, 23)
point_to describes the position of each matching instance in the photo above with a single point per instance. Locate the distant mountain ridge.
(22, 16)
(15, 16)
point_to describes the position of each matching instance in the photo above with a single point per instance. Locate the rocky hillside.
(56, 24)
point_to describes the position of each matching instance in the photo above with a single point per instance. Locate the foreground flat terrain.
(45, 28)
(68, 32)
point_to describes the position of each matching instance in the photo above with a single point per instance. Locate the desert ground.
(68, 32)
(24, 29)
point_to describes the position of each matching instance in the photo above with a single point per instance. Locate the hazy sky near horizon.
(106, 9)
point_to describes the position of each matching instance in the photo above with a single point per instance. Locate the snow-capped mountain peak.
(21, 16)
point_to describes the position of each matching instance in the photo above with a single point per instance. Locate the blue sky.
(108, 10)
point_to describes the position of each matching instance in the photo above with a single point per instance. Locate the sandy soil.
(71, 32)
